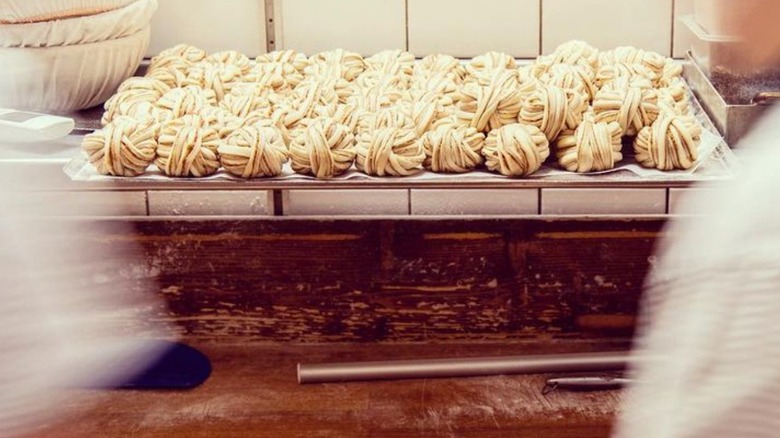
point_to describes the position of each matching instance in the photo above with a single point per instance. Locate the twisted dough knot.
(492, 105)
(670, 143)
(635, 74)
(375, 98)
(336, 63)
(443, 86)
(145, 114)
(392, 117)
(392, 63)
(552, 110)
(325, 149)
(220, 78)
(631, 55)
(345, 114)
(298, 61)
(633, 108)
(171, 76)
(389, 151)
(490, 63)
(124, 103)
(169, 63)
(576, 78)
(377, 80)
(592, 147)
(453, 148)
(181, 102)
(190, 54)
(576, 53)
(243, 103)
(516, 150)
(145, 84)
(222, 120)
(231, 57)
(121, 148)
(278, 77)
(187, 147)
(253, 151)
(672, 74)
(425, 108)
(321, 91)
(439, 66)
(674, 100)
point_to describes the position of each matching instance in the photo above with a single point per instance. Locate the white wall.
(463, 28)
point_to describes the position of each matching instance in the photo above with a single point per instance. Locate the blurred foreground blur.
(70, 309)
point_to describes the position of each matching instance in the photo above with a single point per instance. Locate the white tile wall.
(362, 26)
(212, 25)
(603, 201)
(210, 203)
(85, 204)
(646, 24)
(459, 27)
(346, 202)
(682, 36)
(475, 202)
(465, 28)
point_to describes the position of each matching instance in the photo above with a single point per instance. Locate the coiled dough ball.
(220, 78)
(173, 76)
(670, 143)
(146, 84)
(125, 102)
(242, 104)
(516, 150)
(321, 91)
(576, 77)
(674, 99)
(425, 108)
(392, 63)
(490, 106)
(325, 149)
(254, 151)
(637, 75)
(389, 151)
(453, 148)
(221, 119)
(632, 55)
(392, 117)
(185, 52)
(633, 108)
(121, 148)
(490, 63)
(345, 114)
(230, 57)
(382, 95)
(439, 66)
(576, 53)
(181, 102)
(277, 77)
(336, 63)
(552, 110)
(442, 85)
(187, 147)
(592, 147)
(299, 61)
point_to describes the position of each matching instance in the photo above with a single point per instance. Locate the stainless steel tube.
(466, 367)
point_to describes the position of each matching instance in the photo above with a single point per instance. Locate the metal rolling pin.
(463, 367)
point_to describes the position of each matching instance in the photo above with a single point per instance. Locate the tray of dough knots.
(714, 162)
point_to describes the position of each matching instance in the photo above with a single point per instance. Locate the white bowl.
(32, 11)
(68, 78)
(110, 25)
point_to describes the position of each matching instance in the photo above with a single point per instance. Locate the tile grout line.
(541, 27)
(406, 17)
(409, 201)
(674, 12)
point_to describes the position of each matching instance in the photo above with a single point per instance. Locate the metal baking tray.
(720, 165)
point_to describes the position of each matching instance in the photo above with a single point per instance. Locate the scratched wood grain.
(405, 281)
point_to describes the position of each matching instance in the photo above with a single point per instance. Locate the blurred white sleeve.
(711, 314)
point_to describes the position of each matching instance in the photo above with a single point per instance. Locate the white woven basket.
(68, 78)
(117, 23)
